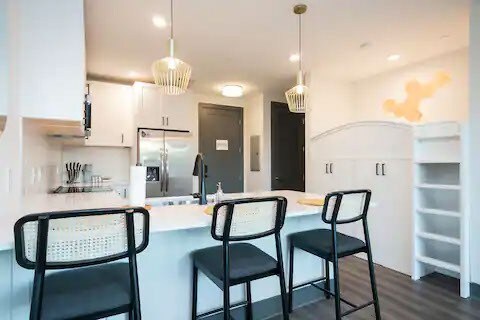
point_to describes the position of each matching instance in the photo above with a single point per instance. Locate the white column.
(474, 122)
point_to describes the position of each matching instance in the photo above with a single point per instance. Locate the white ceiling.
(249, 41)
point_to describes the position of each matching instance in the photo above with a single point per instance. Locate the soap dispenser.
(219, 193)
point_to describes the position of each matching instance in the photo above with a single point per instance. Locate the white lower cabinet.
(112, 115)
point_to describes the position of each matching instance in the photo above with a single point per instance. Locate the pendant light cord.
(300, 42)
(171, 19)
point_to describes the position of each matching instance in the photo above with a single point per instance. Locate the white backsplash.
(110, 162)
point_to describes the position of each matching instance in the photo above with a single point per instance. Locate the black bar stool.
(238, 263)
(330, 245)
(84, 241)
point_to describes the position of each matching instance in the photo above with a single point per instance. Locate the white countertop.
(162, 218)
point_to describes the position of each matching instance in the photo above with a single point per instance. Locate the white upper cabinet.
(51, 59)
(4, 65)
(112, 115)
(156, 110)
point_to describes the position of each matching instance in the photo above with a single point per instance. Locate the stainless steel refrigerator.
(169, 156)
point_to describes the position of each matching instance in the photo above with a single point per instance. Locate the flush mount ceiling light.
(159, 21)
(171, 74)
(393, 57)
(298, 95)
(233, 91)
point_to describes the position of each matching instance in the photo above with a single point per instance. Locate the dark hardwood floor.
(433, 298)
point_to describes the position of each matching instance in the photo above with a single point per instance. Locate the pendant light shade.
(297, 97)
(171, 74)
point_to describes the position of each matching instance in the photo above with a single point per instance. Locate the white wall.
(448, 103)
(474, 139)
(255, 180)
(113, 162)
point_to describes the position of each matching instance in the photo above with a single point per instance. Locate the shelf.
(453, 136)
(438, 186)
(447, 213)
(439, 263)
(437, 162)
(439, 237)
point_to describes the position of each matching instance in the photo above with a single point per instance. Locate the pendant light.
(298, 95)
(170, 73)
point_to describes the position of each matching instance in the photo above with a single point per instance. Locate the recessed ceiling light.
(159, 21)
(294, 57)
(232, 91)
(445, 37)
(393, 57)
(133, 74)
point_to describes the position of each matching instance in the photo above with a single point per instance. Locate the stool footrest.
(357, 308)
(218, 310)
(308, 283)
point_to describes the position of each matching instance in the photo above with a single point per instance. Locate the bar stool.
(330, 245)
(241, 263)
(83, 241)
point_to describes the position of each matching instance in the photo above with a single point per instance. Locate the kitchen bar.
(165, 266)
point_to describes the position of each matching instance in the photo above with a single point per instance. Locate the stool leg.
(336, 277)
(194, 292)
(373, 284)
(226, 300)
(327, 280)
(130, 315)
(290, 279)
(249, 301)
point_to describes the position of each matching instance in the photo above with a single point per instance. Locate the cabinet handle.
(331, 167)
(376, 168)
(163, 121)
(383, 169)
(167, 121)
(122, 138)
(326, 168)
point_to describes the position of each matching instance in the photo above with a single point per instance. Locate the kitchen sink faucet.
(199, 171)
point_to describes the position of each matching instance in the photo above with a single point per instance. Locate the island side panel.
(165, 270)
(6, 284)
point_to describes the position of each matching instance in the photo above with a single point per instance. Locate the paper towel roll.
(138, 182)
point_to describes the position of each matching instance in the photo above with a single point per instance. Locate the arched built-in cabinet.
(376, 155)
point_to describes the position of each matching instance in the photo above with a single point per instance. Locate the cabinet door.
(150, 108)
(389, 217)
(51, 59)
(112, 123)
(179, 112)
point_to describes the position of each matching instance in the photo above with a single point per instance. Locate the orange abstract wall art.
(416, 92)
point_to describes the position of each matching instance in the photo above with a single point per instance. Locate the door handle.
(383, 169)
(161, 173)
(376, 168)
(331, 167)
(167, 170)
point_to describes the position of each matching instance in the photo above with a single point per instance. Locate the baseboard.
(271, 307)
(475, 291)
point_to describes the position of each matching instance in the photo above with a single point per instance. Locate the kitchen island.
(165, 268)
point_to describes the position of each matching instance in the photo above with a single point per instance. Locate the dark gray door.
(288, 148)
(221, 142)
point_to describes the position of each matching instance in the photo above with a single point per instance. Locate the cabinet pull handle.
(326, 168)
(163, 121)
(167, 121)
(376, 168)
(122, 137)
(331, 167)
(383, 169)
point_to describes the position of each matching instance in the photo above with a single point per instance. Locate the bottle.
(219, 193)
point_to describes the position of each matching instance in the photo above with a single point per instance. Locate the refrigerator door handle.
(167, 171)
(161, 172)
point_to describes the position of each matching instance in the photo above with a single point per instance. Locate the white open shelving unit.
(441, 216)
